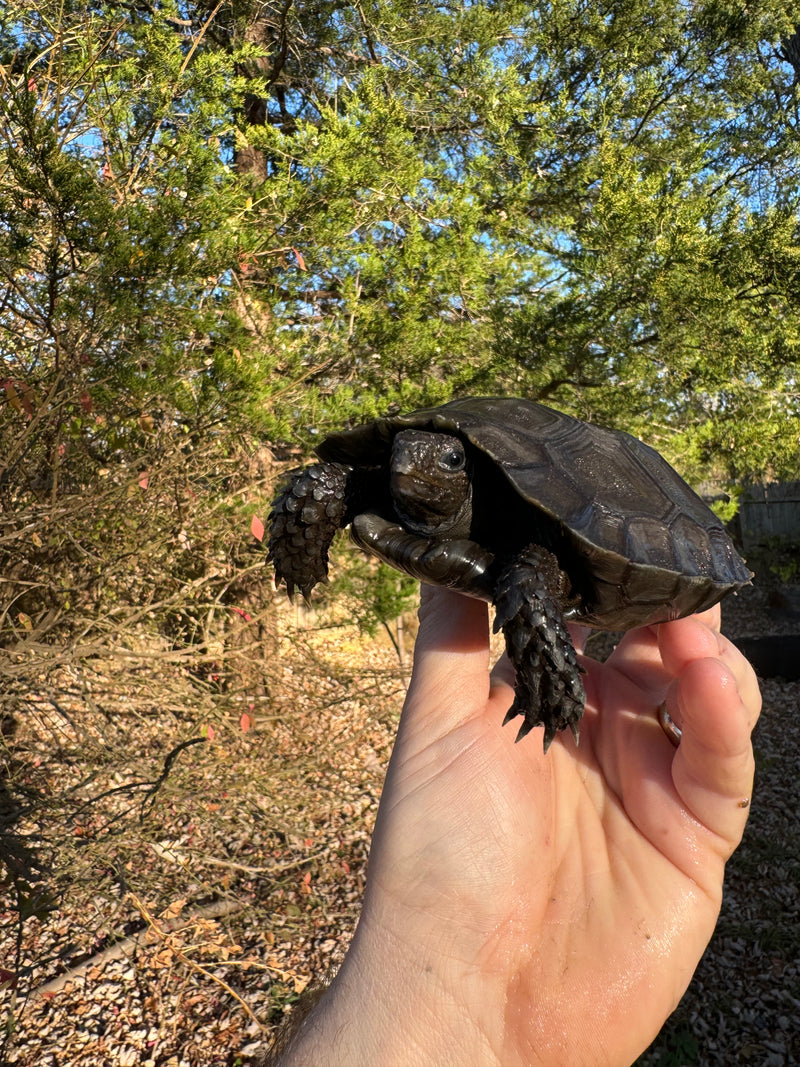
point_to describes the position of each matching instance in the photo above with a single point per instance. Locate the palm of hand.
(569, 895)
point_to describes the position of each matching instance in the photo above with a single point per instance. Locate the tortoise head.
(430, 483)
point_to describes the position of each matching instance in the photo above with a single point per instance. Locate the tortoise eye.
(452, 460)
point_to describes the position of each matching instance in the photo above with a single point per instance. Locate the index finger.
(639, 655)
(685, 640)
(713, 766)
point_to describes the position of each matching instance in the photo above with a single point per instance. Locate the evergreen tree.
(280, 217)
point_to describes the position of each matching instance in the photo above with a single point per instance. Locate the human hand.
(524, 908)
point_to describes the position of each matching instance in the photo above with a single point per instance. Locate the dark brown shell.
(647, 547)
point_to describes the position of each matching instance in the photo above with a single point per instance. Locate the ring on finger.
(672, 731)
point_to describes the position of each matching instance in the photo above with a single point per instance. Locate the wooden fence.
(770, 511)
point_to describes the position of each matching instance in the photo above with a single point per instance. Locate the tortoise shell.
(637, 543)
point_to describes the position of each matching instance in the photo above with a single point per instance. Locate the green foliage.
(114, 233)
(374, 591)
(776, 561)
(596, 207)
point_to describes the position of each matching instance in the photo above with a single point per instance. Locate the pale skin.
(535, 909)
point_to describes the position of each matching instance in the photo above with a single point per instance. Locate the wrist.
(394, 1004)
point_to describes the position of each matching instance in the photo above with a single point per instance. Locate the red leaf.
(245, 722)
(301, 263)
(244, 615)
(210, 732)
(144, 480)
(86, 401)
(257, 528)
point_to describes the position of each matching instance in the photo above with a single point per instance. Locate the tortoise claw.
(550, 732)
(524, 730)
(512, 713)
(550, 728)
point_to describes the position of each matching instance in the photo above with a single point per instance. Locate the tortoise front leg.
(305, 516)
(548, 688)
(456, 564)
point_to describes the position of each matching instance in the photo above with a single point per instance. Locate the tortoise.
(551, 519)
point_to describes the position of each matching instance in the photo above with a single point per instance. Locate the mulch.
(186, 922)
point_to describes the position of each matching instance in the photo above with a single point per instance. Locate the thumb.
(450, 678)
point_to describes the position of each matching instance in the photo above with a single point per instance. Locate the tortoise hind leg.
(548, 688)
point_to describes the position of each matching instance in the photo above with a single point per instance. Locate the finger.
(689, 639)
(580, 635)
(711, 617)
(450, 623)
(638, 658)
(713, 766)
(640, 654)
(450, 677)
